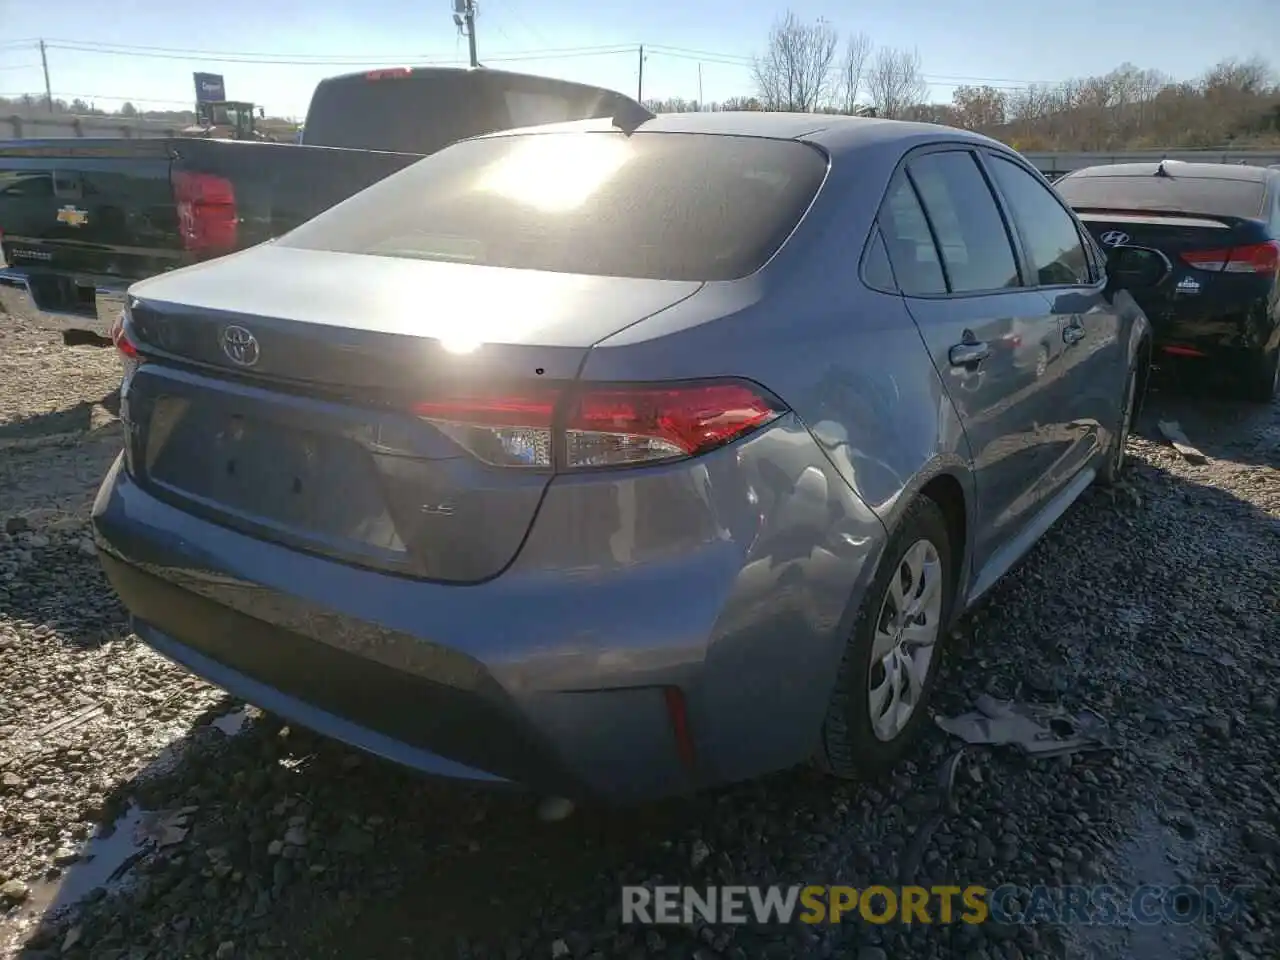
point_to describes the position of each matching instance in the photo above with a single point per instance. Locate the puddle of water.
(1149, 856)
(104, 860)
(105, 854)
(233, 724)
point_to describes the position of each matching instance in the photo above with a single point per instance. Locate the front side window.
(1053, 243)
(975, 244)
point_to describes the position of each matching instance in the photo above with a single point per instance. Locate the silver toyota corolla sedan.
(618, 461)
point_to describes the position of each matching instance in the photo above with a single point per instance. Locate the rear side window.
(975, 244)
(875, 266)
(910, 244)
(651, 206)
(1229, 198)
(1053, 243)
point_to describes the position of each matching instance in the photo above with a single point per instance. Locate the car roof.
(1178, 168)
(834, 132)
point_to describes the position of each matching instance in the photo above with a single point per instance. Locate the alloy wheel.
(906, 637)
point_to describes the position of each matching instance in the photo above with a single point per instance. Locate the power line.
(62, 95)
(533, 31)
(707, 56)
(175, 53)
(265, 58)
(370, 61)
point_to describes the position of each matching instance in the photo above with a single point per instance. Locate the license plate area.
(308, 483)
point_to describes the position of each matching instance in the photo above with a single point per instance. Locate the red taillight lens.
(613, 427)
(207, 217)
(1255, 258)
(120, 337)
(388, 73)
(602, 426)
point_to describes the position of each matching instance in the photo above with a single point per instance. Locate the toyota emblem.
(1115, 238)
(240, 346)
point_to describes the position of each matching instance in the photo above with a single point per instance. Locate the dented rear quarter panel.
(855, 369)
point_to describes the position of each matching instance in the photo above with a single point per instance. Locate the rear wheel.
(1262, 377)
(891, 661)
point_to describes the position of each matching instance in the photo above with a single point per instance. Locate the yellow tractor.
(226, 120)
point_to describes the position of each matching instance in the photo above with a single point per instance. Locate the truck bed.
(82, 219)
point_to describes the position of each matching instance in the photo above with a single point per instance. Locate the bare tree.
(895, 82)
(1250, 77)
(852, 70)
(672, 105)
(979, 108)
(795, 72)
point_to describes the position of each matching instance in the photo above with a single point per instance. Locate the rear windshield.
(427, 111)
(652, 205)
(1227, 198)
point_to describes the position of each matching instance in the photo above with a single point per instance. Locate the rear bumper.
(555, 677)
(1188, 329)
(75, 303)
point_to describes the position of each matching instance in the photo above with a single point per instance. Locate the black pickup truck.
(82, 219)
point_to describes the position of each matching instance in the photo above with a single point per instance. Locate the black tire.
(1262, 377)
(850, 747)
(1117, 460)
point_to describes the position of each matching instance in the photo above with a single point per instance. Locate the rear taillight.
(120, 337)
(207, 217)
(602, 426)
(389, 73)
(1255, 258)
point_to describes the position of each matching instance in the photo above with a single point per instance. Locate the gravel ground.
(144, 814)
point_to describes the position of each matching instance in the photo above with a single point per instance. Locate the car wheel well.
(946, 492)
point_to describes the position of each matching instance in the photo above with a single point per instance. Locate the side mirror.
(1136, 268)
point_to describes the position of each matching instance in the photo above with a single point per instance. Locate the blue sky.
(1010, 42)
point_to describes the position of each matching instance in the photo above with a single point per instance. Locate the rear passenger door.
(993, 341)
(1094, 355)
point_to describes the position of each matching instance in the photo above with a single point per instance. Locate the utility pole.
(48, 90)
(464, 18)
(699, 87)
(640, 82)
(471, 31)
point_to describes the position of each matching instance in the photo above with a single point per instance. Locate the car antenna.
(628, 116)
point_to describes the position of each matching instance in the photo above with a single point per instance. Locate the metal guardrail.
(1050, 163)
(59, 126)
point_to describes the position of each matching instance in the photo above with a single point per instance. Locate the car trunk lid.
(276, 398)
(1221, 264)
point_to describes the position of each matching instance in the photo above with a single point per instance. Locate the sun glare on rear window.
(660, 206)
(556, 173)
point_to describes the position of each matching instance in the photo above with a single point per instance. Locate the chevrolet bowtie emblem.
(73, 216)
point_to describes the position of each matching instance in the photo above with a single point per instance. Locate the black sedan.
(1219, 225)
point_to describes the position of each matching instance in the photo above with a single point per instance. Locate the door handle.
(1072, 333)
(968, 354)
